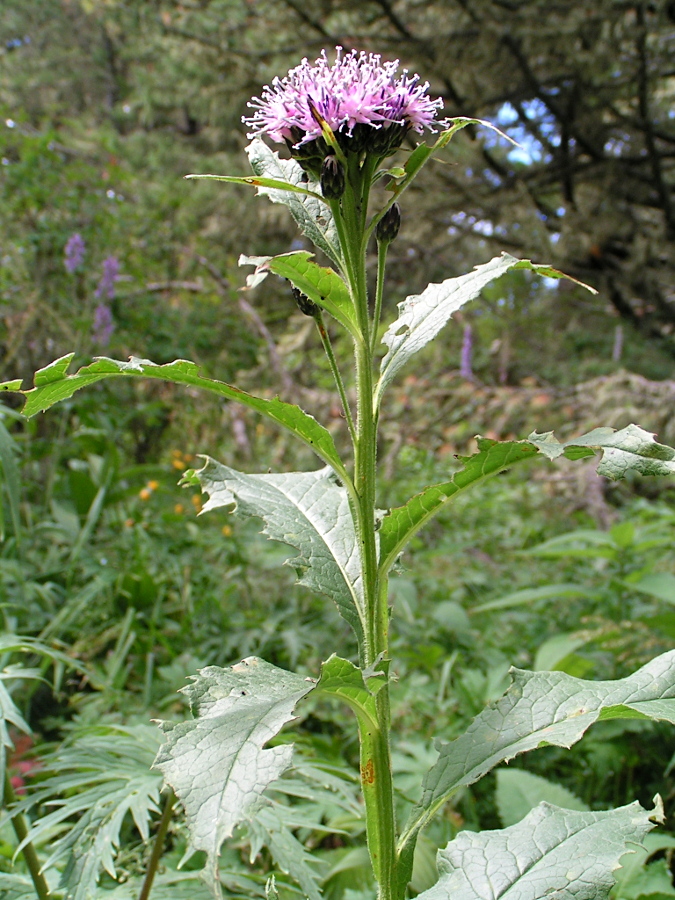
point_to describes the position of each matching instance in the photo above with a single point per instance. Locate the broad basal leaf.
(216, 764)
(311, 214)
(53, 384)
(308, 510)
(541, 708)
(552, 853)
(630, 449)
(422, 316)
(322, 285)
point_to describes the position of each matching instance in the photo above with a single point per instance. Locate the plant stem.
(342, 237)
(28, 850)
(376, 774)
(364, 482)
(378, 794)
(158, 846)
(368, 171)
(382, 248)
(328, 348)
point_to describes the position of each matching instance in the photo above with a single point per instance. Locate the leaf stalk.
(328, 350)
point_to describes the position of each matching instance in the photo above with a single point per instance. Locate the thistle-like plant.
(341, 122)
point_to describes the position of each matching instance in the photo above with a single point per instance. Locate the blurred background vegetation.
(104, 106)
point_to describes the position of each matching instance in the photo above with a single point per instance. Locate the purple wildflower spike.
(103, 325)
(106, 286)
(357, 90)
(73, 254)
(465, 369)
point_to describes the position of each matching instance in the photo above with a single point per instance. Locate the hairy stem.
(328, 349)
(28, 850)
(376, 775)
(158, 846)
(378, 794)
(342, 237)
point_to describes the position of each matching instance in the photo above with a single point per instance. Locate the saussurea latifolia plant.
(341, 123)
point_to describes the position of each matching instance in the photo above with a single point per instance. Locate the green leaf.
(53, 384)
(311, 213)
(555, 651)
(322, 285)
(172, 885)
(519, 791)
(11, 478)
(9, 716)
(422, 316)
(547, 854)
(308, 510)
(91, 787)
(253, 180)
(422, 154)
(530, 595)
(582, 543)
(268, 828)
(216, 764)
(540, 709)
(630, 449)
(654, 881)
(660, 585)
(639, 878)
(400, 524)
(341, 679)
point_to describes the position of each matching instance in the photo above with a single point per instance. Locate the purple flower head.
(357, 90)
(106, 286)
(73, 252)
(103, 324)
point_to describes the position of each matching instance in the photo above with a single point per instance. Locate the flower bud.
(357, 141)
(309, 155)
(305, 305)
(332, 179)
(388, 226)
(386, 140)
